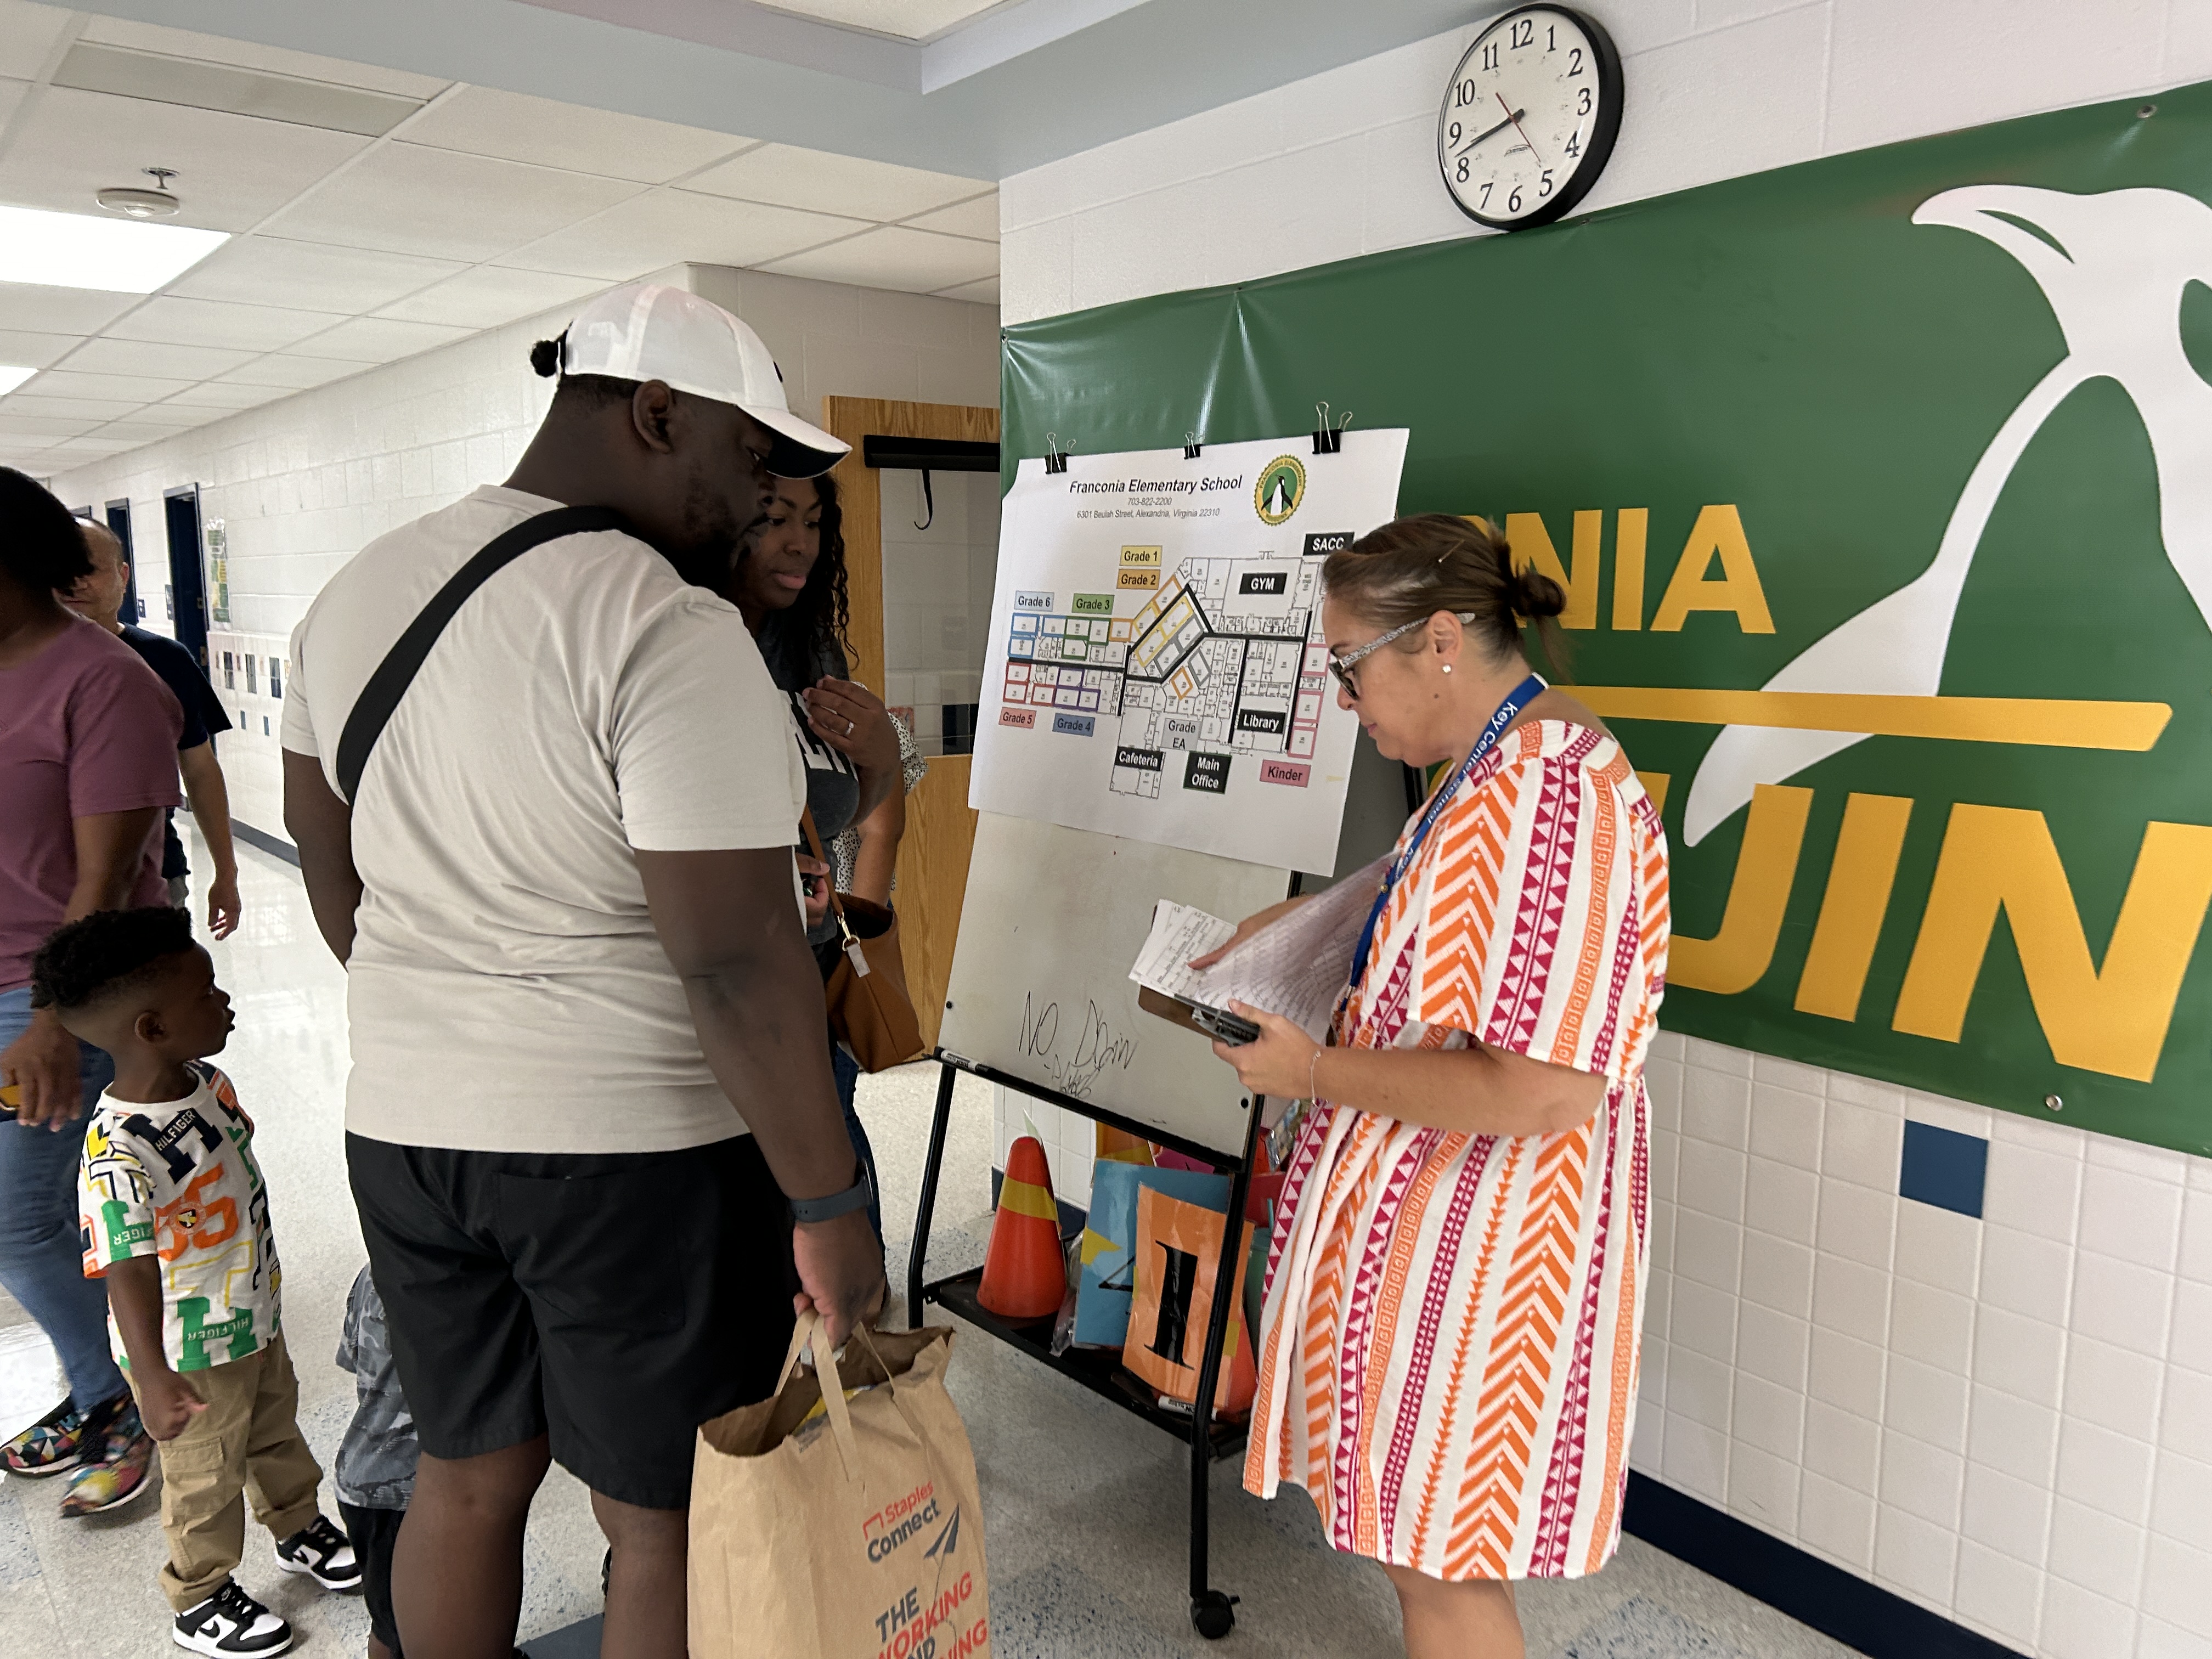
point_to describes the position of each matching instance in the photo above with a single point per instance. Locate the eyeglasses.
(1343, 666)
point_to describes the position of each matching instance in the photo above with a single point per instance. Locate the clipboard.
(1212, 1023)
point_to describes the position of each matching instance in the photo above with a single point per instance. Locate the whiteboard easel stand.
(1212, 1613)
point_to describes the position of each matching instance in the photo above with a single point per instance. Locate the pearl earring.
(1447, 668)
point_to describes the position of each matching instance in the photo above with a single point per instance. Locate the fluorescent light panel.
(116, 256)
(11, 376)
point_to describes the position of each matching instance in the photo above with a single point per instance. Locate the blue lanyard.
(1508, 711)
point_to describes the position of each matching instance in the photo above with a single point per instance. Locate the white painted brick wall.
(303, 484)
(2009, 1420)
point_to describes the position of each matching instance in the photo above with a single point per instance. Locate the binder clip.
(1055, 459)
(1328, 439)
(1191, 446)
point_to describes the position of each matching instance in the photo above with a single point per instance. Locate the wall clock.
(1529, 118)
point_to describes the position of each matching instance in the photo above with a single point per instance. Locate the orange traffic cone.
(1024, 1275)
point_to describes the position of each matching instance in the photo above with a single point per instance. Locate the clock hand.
(1512, 116)
(1517, 127)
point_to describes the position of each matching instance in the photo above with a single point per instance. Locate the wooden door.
(940, 827)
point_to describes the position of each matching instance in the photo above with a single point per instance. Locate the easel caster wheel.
(1213, 1614)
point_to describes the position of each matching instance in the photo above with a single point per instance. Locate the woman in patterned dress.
(1450, 1350)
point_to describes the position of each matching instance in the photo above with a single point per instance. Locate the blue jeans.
(847, 1070)
(41, 1258)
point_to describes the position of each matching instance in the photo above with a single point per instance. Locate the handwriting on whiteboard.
(1091, 1050)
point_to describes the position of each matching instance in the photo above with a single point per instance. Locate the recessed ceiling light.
(117, 255)
(12, 376)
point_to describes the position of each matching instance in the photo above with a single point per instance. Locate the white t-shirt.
(506, 990)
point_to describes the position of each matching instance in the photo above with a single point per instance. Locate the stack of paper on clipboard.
(1294, 967)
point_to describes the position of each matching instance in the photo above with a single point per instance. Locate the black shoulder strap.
(389, 684)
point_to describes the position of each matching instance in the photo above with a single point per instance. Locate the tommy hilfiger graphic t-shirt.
(177, 1181)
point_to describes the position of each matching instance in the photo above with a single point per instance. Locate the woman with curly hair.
(789, 583)
(88, 760)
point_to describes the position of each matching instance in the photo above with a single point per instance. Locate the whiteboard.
(1040, 987)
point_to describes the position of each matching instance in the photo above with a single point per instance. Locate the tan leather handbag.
(870, 1007)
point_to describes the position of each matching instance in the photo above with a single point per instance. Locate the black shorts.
(613, 1301)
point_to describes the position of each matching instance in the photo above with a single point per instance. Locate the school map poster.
(1156, 668)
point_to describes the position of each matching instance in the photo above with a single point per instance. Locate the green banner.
(1882, 488)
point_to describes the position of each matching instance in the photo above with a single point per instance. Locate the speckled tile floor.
(1084, 1505)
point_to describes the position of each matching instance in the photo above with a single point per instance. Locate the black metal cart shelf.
(1212, 1611)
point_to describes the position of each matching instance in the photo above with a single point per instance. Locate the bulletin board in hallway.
(1882, 491)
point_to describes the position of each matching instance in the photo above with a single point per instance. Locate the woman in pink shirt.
(88, 760)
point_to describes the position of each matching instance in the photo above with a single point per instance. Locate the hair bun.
(1535, 594)
(545, 357)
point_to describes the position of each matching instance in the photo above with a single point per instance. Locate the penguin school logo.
(1282, 486)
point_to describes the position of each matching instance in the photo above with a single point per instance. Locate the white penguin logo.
(2113, 267)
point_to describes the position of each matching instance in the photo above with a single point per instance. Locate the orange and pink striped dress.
(1449, 1354)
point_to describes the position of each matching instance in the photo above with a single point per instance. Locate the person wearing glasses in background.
(98, 598)
(1466, 1213)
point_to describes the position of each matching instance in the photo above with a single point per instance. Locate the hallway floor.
(1084, 1505)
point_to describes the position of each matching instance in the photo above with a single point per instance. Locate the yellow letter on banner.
(1718, 530)
(1628, 525)
(1851, 911)
(1531, 544)
(2112, 1020)
(1734, 959)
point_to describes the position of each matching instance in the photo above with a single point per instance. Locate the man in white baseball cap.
(545, 793)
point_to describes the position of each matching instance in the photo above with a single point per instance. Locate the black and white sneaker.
(231, 1623)
(323, 1552)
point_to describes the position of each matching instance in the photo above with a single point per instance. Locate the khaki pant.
(245, 1443)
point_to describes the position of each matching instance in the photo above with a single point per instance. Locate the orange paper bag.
(1178, 1254)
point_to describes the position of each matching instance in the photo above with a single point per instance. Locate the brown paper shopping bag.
(852, 1531)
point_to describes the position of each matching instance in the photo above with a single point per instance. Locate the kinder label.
(1289, 771)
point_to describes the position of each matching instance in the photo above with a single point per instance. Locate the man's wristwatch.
(855, 1197)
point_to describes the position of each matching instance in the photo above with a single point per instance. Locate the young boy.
(376, 1460)
(175, 1216)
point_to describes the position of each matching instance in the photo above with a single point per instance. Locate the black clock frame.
(1599, 151)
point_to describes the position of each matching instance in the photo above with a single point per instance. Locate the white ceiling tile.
(177, 363)
(157, 420)
(983, 292)
(670, 226)
(112, 388)
(488, 295)
(890, 257)
(173, 321)
(11, 93)
(69, 409)
(485, 121)
(52, 427)
(30, 350)
(269, 271)
(27, 34)
(978, 218)
(30, 307)
(217, 395)
(823, 183)
(408, 199)
(213, 49)
(232, 170)
(102, 442)
(903, 20)
(293, 374)
(378, 340)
